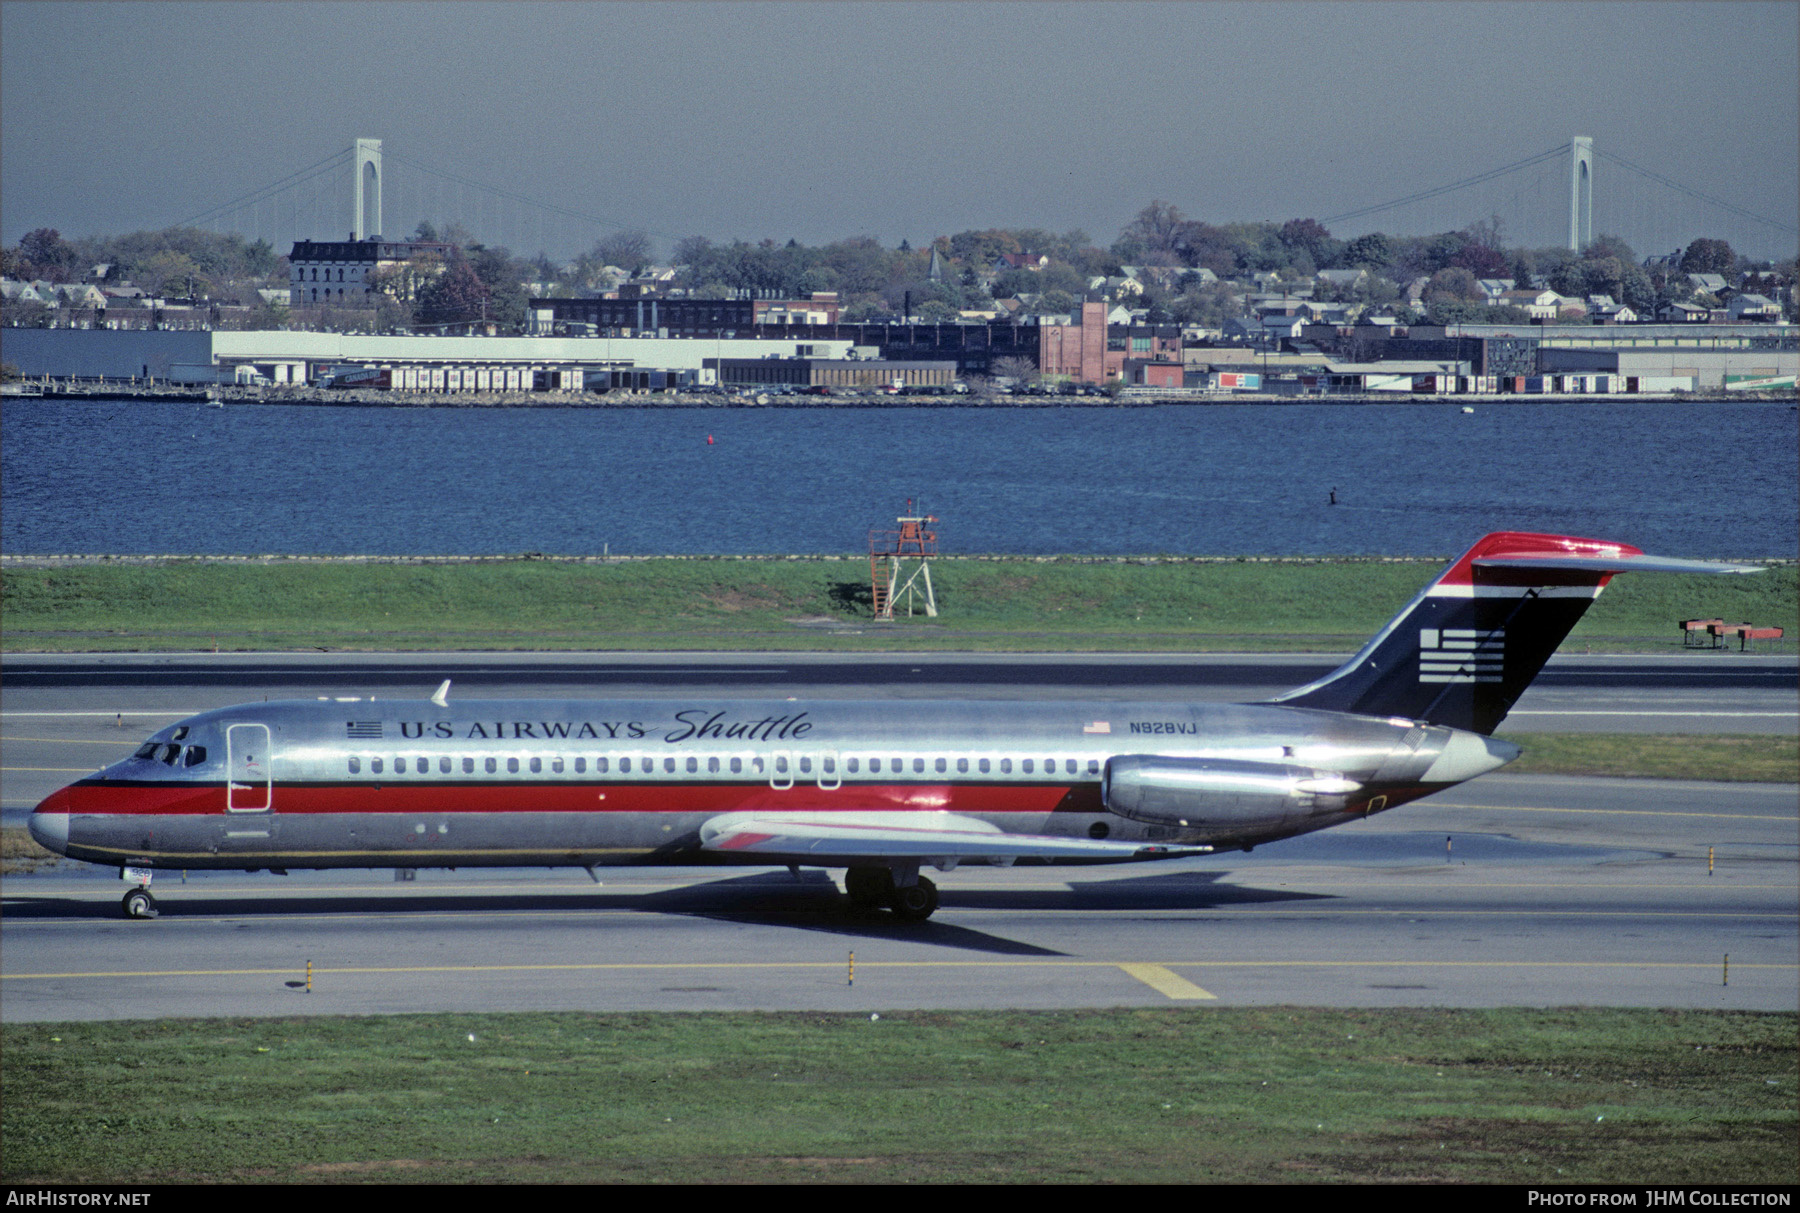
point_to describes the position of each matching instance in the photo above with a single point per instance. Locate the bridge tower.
(889, 554)
(1581, 193)
(365, 213)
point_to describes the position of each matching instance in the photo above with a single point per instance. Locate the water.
(1702, 480)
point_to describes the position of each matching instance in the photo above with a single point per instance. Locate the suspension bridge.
(1561, 196)
(1567, 194)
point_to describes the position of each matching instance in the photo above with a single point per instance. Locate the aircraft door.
(248, 762)
(781, 770)
(830, 778)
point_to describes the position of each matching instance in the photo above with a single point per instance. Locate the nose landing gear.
(139, 904)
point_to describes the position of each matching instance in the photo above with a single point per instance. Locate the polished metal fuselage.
(407, 783)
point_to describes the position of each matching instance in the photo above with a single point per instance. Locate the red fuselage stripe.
(156, 800)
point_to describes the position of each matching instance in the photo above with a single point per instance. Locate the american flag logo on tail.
(1461, 655)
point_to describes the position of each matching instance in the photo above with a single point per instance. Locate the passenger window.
(600, 765)
(829, 764)
(983, 764)
(355, 765)
(443, 766)
(625, 765)
(737, 765)
(1072, 767)
(512, 766)
(781, 764)
(942, 766)
(918, 766)
(693, 765)
(1093, 766)
(1025, 767)
(537, 765)
(556, 765)
(805, 765)
(375, 766)
(874, 766)
(668, 766)
(580, 766)
(1006, 766)
(712, 766)
(492, 766)
(962, 766)
(399, 766)
(468, 766)
(756, 765)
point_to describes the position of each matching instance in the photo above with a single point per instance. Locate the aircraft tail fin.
(1464, 650)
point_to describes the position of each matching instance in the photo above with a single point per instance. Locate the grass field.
(1125, 1095)
(1017, 604)
(1734, 758)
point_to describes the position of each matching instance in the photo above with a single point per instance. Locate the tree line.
(1193, 265)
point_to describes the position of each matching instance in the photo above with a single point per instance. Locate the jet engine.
(1219, 793)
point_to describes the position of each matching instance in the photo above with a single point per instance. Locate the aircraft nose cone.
(1468, 755)
(49, 823)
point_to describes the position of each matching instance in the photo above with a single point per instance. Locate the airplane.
(880, 789)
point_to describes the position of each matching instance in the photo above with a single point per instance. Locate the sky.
(819, 121)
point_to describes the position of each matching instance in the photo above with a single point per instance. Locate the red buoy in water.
(709, 440)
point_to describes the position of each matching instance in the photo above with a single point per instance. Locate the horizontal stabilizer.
(825, 837)
(1620, 562)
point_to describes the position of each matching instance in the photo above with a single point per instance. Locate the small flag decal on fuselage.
(367, 730)
(1461, 655)
(1099, 726)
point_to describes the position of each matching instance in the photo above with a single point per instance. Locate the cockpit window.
(147, 750)
(179, 734)
(196, 754)
(169, 753)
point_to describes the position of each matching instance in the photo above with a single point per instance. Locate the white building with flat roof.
(296, 357)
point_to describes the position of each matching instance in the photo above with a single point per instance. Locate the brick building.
(1092, 351)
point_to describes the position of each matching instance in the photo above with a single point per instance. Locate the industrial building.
(665, 316)
(424, 363)
(862, 372)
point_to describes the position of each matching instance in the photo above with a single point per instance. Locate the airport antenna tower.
(365, 203)
(891, 552)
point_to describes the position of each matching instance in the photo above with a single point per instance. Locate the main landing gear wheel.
(914, 903)
(139, 904)
(869, 888)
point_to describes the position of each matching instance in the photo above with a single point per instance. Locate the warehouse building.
(869, 372)
(426, 363)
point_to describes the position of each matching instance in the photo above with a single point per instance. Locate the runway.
(1511, 890)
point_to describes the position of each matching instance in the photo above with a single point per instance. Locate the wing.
(942, 839)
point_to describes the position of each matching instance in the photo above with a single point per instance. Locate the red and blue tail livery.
(882, 789)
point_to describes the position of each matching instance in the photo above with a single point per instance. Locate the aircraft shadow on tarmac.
(810, 901)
